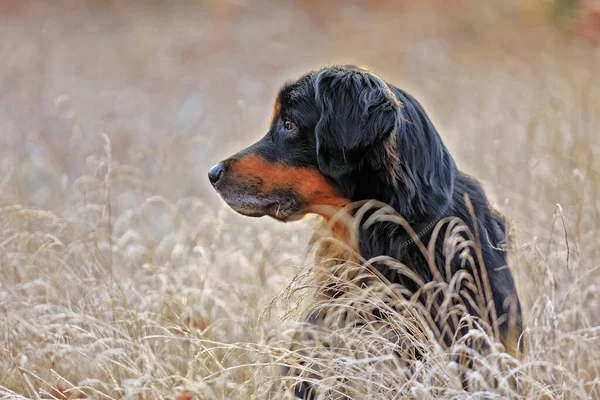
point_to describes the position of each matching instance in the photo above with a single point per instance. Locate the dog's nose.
(216, 173)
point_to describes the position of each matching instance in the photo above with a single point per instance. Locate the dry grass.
(123, 276)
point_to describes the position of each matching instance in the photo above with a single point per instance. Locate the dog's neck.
(335, 241)
(337, 237)
(341, 243)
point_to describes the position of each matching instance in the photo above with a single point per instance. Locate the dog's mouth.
(281, 205)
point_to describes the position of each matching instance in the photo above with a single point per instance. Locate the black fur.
(378, 143)
(371, 140)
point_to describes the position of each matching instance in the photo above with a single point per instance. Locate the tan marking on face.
(318, 196)
(276, 110)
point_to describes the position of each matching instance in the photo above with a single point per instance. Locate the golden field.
(123, 275)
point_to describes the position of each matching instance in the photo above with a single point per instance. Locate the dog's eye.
(289, 126)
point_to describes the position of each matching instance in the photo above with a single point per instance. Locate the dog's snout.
(216, 173)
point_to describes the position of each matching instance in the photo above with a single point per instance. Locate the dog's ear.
(366, 126)
(426, 169)
(358, 119)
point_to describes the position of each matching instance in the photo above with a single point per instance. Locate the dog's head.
(337, 135)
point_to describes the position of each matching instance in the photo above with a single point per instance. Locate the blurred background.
(110, 107)
(196, 80)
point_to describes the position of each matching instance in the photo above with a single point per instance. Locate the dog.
(342, 135)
